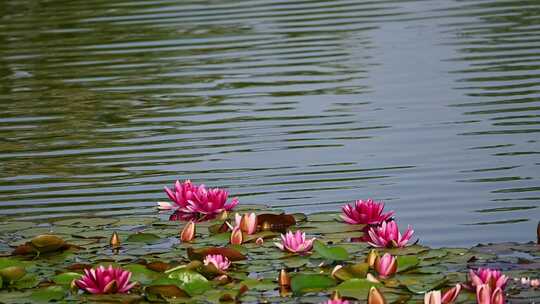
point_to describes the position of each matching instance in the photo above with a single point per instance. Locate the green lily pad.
(66, 278)
(330, 253)
(303, 283)
(355, 288)
(422, 283)
(147, 238)
(192, 282)
(46, 295)
(142, 274)
(406, 262)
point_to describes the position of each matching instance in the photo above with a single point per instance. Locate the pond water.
(431, 106)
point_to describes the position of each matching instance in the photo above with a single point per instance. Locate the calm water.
(432, 106)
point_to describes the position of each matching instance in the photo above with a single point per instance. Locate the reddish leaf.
(275, 222)
(167, 291)
(158, 266)
(230, 253)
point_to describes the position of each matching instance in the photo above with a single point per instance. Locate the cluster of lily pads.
(200, 251)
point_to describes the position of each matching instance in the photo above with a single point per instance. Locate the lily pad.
(46, 295)
(330, 253)
(147, 238)
(303, 283)
(355, 288)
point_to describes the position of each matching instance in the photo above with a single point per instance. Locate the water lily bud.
(223, 215)
(375, 296)
(433, 297)
(259, 241)
(188, 233)
(372, 257)
(336, 269)
(284, 278)
(115, 240)
(236, 236)
(372, 278)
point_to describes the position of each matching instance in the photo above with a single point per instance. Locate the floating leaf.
(303, 283)
(231, 253)
(46, 295)
(406, 262)
(141, 273)
(421, 283)
(330, 253)
(275, 222)
(27, 281)
(147, 238)
(355, 288)
(164, 292)
(12, 273)
(66, 278)
(47, 243)
(190, 281)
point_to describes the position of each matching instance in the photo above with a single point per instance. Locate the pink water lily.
(336, 301)
(494, 278)
(246, 222)
(435, 297)
(486, 295)
(386, 265)
(103, 280)
(366, 212)
(198, 200)
(219, 261)
(295, 242)
(388, 235)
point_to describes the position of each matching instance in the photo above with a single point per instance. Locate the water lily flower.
(535, 283)
(451, 294)
(486, 295)
(295, 242)
(494, 278)
(188, 233)
(199, 200)
(336, 301)
(284, 279)
(388, 235)
(435, 297)
(219, 261)
(103, 280)
(375, 296)
(372, 256)
(246, 222)
(236, 236)
(259, 241)
(366, 212)
(386, 266)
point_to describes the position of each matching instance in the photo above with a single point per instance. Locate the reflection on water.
(432, 106)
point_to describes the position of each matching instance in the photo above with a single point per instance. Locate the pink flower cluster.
(295, 242)
(381, 230)
(489, 285)
(196, 202)
(103, 280)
